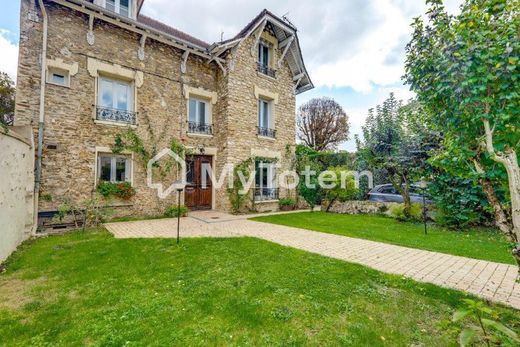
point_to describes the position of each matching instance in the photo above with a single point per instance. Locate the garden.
(459, 136)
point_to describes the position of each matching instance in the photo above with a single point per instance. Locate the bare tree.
(322, 124)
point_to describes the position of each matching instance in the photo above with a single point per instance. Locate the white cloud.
(8, 55)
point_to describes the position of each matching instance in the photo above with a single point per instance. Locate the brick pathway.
(489, 280)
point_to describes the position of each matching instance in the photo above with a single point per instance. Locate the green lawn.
(486, 244)
(91, 289)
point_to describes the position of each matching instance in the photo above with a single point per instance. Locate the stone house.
(89, 70)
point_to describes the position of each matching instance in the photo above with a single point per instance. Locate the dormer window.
(122, 7)
(264, 59)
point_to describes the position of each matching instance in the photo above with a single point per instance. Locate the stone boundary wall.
(360, 207)
(16, 188)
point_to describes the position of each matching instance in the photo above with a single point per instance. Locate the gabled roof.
(283, 30)
(170, 30)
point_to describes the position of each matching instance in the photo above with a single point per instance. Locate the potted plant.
(287, 204)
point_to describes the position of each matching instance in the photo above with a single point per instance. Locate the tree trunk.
(407, 202)
(501, 220)
(329, 205)
(510, 161)
(513, 173)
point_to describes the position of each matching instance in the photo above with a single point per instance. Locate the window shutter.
(128, 168)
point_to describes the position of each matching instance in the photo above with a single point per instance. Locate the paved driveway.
(489, 280)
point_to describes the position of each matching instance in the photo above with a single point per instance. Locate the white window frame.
(207, 106)
(117, 7)
(114, 81)
(262, 48)
(271, 174)
(262, 103)
(113, 164)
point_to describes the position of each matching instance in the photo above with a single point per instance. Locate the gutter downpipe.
(41, 122)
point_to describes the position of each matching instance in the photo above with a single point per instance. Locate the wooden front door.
(197, 194)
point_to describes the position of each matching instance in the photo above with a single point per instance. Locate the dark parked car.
(387, 193)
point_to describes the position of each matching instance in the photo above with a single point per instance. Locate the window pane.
(111, 5)
(124, 8)
(202, 112)
(265, 55)
(190, 171)
(105, 164)
(257, 174)
(105, 93)
(193, 110)
(58, 79)
(265, 177)
(122, 97)
(120, 169)
(265, 115)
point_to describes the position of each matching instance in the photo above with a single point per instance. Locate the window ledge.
(115, 124)
(263, 75)
(118, 203)
(266, 201)
(59, 85)
(266, 138)
(206, 136)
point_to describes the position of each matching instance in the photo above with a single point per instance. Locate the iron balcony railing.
(266, 132)
(266, 70)
(115, 115)
(200, 128)
(264, 194)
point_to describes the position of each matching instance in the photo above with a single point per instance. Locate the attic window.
(58, 77)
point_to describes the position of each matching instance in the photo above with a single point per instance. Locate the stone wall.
(68, 166)
(16, 188)
(360, 207)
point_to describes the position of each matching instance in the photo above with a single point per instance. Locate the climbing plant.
(236, 194)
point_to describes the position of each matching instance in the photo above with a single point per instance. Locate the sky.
(354, 50)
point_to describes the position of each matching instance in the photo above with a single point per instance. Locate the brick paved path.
(489, 280)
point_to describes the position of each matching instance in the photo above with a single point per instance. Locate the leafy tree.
(7, 96)
(308, 188)
(322, 124)
(343, 188)
(465, 71)
(460, 202)
(395, 142)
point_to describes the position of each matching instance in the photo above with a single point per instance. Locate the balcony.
(266, 70)
(266, 194)
(113, 115)
(266, 132)
(200, 128)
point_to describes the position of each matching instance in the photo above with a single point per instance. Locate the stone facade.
(72, 137)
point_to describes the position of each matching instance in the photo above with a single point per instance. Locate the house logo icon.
(176, 185)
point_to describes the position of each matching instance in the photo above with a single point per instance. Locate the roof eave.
(82, 4)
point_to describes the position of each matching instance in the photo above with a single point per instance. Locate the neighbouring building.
(105, 68)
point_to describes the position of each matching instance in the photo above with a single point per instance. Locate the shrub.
(459, 202)
(121, 190)
(287, 202)
(174, 210)
(397, 212)
(344, 188)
